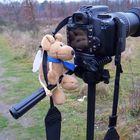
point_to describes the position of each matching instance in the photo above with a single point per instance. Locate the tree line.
(28, 14)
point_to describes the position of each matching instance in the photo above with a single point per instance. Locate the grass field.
(17, 82)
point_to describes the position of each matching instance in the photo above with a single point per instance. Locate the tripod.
(91, 70)
(91, 107)
(91, 110)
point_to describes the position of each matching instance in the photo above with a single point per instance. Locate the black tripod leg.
(91, 111)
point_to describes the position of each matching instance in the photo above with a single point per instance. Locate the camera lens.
(132, 21)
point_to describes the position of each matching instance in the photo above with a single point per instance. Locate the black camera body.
(92, 30)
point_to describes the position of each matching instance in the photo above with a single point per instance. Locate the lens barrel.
(136, 11)
(132, 21)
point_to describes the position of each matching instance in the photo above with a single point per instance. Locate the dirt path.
(6, 133)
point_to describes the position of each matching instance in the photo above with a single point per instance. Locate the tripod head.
(91, 68)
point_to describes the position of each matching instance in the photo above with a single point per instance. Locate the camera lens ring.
(126, 21)
(136, 11)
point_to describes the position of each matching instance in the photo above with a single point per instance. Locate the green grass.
(18, 65)
(3, 122)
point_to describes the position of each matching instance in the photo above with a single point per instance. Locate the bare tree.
(29, 14)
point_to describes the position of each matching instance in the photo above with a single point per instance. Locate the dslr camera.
(92, 30)
(94, 33)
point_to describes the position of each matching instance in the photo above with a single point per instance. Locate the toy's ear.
(47, 41)
(58, 37)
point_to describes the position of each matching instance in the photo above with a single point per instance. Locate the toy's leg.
(69, 82)
(58, 96)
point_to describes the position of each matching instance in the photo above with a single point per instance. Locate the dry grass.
(22, 42)
(130, 51)
(26, 43)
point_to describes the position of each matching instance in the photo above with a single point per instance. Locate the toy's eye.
(61, 45)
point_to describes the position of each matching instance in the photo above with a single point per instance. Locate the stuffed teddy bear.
(58, 55)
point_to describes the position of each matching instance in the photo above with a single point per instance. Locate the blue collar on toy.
(67, 65)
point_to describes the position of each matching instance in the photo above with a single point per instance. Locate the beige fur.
(57, 49)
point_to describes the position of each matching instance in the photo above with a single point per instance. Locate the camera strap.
(112, 133)
(61, 25)
(53, 117)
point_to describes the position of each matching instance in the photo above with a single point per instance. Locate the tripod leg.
(91, 110)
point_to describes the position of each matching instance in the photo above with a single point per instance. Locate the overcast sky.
(40, 0)
(57, 0)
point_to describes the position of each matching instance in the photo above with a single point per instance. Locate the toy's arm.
(52, 77)
(55, 70)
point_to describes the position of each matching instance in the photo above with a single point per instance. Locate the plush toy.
(58, 55)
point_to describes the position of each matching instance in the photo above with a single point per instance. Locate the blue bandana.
(67, 65)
